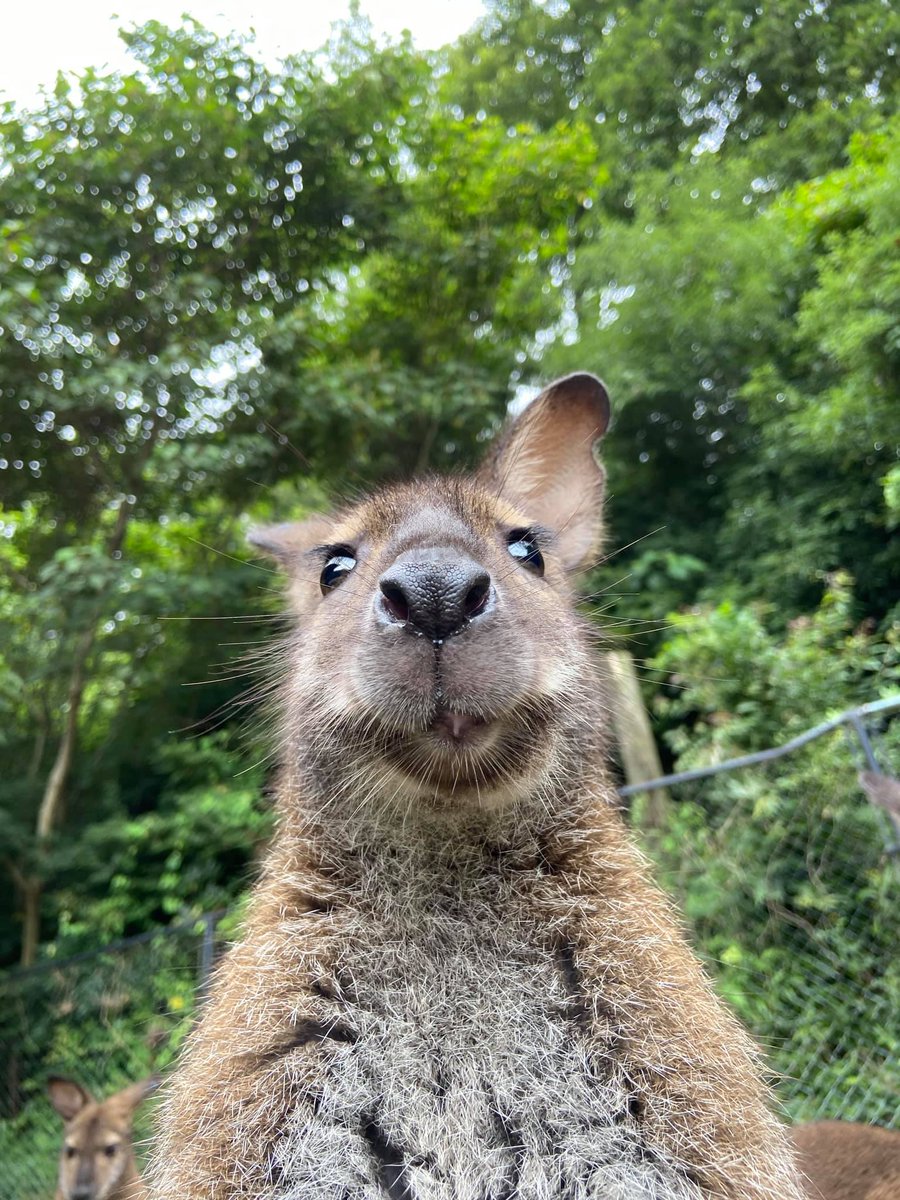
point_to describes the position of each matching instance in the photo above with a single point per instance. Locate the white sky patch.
(523, 396)
(41, 39)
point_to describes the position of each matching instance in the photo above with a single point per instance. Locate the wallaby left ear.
(544, 464)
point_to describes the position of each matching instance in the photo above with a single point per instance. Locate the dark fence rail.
(854, 717)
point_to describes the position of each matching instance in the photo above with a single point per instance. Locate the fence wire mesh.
(787, 876)
(104, 1019)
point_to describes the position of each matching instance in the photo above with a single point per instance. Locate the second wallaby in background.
(844, 1160)
(97, 1160)
(456, 980)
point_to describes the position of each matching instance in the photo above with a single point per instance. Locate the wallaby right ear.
(130, 1097)
(288, 541)
(544, 463)
(67, 1096)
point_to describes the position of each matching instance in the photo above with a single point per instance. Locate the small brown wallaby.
(456, 980)
(97, 1157)
(841, 1160)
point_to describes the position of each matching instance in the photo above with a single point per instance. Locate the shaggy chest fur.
(461, 1062)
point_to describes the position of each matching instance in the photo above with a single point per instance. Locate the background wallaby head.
(97, 1158)
(842, 1160)
(439, 657)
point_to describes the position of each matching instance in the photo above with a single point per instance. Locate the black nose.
(435, 592)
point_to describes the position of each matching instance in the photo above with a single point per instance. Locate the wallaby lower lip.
(457, 727)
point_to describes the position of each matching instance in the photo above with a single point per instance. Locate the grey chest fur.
(466, 1064)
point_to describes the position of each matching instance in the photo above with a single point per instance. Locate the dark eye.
(524, 548)
(71, 1151)
(109, 1151)
(340, 563)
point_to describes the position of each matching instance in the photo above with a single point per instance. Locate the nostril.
(477, 596)
(394, 600)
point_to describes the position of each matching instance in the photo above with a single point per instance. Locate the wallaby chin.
(456, 980)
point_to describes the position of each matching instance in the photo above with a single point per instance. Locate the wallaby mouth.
(466, 757)
(458, 729)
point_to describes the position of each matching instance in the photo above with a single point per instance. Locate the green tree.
(153, 226)
(662, 77)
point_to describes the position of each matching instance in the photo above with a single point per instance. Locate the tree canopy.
(232, 291)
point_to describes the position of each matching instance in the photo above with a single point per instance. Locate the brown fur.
(841, 1160)
(882, 790)
(97, 1157)
(462, 941)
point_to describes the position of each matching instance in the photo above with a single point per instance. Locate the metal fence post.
(862, 733)
(207, 952)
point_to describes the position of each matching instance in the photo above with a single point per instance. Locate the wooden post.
(637, 746)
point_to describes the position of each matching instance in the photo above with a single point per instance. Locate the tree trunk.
(32, 887)
(637, 746)
(30, 891)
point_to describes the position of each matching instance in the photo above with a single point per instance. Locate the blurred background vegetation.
(231, 292)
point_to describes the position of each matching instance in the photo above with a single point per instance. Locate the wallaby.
(883, 790)
(841, 1160)
(97, 1158)
(456, 981)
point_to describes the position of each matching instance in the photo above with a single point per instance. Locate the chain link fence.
(787, 869)
(787, 874)
(105, 1019)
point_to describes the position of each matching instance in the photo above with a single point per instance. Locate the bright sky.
(40, 37)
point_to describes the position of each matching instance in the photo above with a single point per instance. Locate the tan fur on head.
(97, 1158)
(457, 981)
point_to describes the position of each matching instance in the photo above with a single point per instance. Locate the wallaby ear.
(130, 1097)
(288, 541)
(67, 1096)
(544, 463)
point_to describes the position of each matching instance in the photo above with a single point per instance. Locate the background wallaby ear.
(544, 463)
(286, 542)
(67, 1096)
(130, 1097)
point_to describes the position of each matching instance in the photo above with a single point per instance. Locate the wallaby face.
(456, 980)
(439, 649)
(97, 1158)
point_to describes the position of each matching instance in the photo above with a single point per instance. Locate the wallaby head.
(97, 1157)
(439, 663)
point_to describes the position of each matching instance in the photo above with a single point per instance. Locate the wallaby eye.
(341, 562)
(109, 1151)
(71, 1151)
(523, 546)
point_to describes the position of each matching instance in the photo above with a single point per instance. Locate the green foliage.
(658, 77)
(486, 203)
(748, 689)
(234, 293)
(782, 870)
(752, 345)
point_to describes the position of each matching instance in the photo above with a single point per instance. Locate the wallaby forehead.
(96, 1119)
(436, 511)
